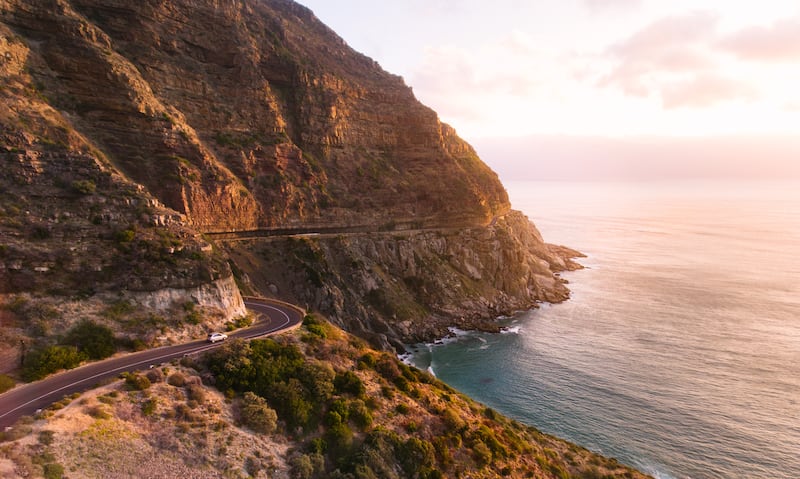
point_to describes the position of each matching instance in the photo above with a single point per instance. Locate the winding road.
(27, 399)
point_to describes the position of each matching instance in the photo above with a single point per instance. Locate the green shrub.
(178, 380)
(46, 437)
(84, 187)
(339, 438)
(416, 455)
(402, 384)
(118, 309)
(93, 340)
(487, 437)
(481, 453)
(197, 393)
(53, 471)
(155, 375)
(136, 381)
(257, 415)
(360, 414)
(240, 322)
(297, 388)
(348, 382)
(98, 412)
(315, 326)
(124, 236)
(387, 367)
(452, 420)
(6, 383)
(40, 363)
(307, 466)
(149, 406)
(317, 330)
(367, 361)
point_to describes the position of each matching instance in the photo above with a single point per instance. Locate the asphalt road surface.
(27, 399)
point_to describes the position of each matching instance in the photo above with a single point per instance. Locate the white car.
(214, 337)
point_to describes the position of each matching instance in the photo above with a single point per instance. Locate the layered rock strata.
(130, 129)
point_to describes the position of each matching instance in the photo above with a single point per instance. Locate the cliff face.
(252, 113)
(131, 128)
(410, 286)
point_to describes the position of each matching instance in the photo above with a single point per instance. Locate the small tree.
(46, 361)
(257, 415)
(92, 339)
(6, 383)
(136, 381)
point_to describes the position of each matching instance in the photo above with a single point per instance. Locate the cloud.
(463, 81)
(674, 59)
(779, 42)
(598, 5)
(703, 90)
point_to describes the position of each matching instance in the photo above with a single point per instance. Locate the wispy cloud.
(600, 5)
(779, 42)
(704, 89)
(464, 80)
(674, 58)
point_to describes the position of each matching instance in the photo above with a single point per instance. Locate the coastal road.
(274, 317)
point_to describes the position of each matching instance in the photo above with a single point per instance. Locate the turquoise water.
(679, 351)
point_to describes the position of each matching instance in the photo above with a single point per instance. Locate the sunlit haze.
(596, 72)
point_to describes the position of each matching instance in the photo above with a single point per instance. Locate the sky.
(598, 88)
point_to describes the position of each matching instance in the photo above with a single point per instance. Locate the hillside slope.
(130, 129)
(325, 406)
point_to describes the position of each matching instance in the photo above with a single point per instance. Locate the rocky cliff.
(129, 129)
(411, 285)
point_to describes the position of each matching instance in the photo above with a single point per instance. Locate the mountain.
(155, 151)
(160, 158)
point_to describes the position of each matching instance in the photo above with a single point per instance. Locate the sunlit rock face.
(247, 113)
(131, 128)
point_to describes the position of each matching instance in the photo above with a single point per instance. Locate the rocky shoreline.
(407, 287)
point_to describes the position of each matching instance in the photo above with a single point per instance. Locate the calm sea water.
(679, 352)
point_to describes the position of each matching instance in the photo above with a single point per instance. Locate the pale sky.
(618, 69)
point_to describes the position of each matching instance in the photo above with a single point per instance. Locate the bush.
(6, 383)
(154, 375)
(339, 438)
(307, 466)
(298, 389)
(94, 340)
(53, 471)
(348, 382)
(149, 406)
(257, 415)
(124, 236)
(367, 361)
(416, 455)
(42, 362)
(178, 380)
(387, 367)
(481, 453)
(360, 415)
(136, 381)
(197, 393)
(84, 187)
(315, 326)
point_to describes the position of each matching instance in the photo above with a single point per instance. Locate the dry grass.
(105, 434)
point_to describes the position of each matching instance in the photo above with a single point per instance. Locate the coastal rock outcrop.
(410, 286)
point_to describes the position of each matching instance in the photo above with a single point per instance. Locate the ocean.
(679, 350)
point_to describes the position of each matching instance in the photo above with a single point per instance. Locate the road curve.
(275, 317)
